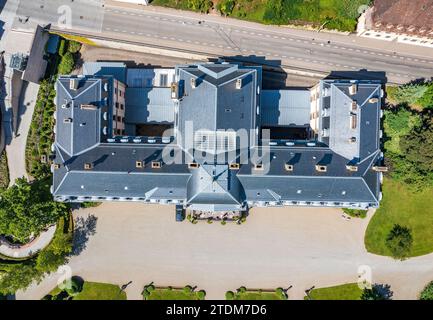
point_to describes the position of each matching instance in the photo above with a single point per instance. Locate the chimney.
(288, 167)
(88, 107)
(352, 168)
(380, 168)
(193, 83)
(353, 121)
(234, 166)
(73, 83)
(193, 165)
(353, 89)
(88, 166)
(320, 168)
(156, 164)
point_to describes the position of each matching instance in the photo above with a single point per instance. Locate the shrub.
(74, 46)
(372, 294)
(72, 286)
(427, 292)
(225, 7)
(242, 290)
(230, 295)
(201, 294)
(210, 221)
(187, 289)
(399, 242)
(62, 47)
(66, 64)
(200, 5)
(280, 292)
(356, 213)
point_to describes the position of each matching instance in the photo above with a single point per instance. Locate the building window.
(114, 118)
(121, 106)
(119, 118)
(117, 105)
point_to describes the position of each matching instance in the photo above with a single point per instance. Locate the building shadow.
(273, 75)
(362, 74)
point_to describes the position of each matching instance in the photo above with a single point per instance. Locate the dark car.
(180, 213)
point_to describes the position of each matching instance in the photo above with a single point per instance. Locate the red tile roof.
(413, 17)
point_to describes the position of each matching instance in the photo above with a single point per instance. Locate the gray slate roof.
(214, 186)
(144, 105)
(285, 107)
(85, 129)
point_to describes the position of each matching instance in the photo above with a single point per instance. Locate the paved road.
(303, 247)
(229, 37)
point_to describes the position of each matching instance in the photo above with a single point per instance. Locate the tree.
(372, 294)
(20, 220)
(72, 286)
(67, 63)
(410, 93)
(427, 292)
(417, 147)
(399, 242)
(74, 46)
(56, 253)
(200, 5)
(18, 276)
(226, 7)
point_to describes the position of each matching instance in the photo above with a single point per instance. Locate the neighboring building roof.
(53, 43)
(285, 107)
(413, 17)
(145, 105)
(149, 77)
(106, 68)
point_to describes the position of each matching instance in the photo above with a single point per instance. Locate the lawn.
(401, 206)
(257, 295)
(248, 294)
(333, 14)
(97, 291)
(169, 293)
(100, 291)
(348, 291)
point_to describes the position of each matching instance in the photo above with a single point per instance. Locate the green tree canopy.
(67, 63)
(399, 241)
(372, 294)
(27, 208)
(410, 93)
(427, 292)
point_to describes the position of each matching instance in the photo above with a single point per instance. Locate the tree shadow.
(84, 228)
(384, 290)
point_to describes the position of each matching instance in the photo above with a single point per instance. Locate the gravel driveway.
(303, 247)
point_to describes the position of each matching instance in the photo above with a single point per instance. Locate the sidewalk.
(30, 248)
(19, 96)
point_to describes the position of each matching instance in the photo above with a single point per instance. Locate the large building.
(208, 138)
